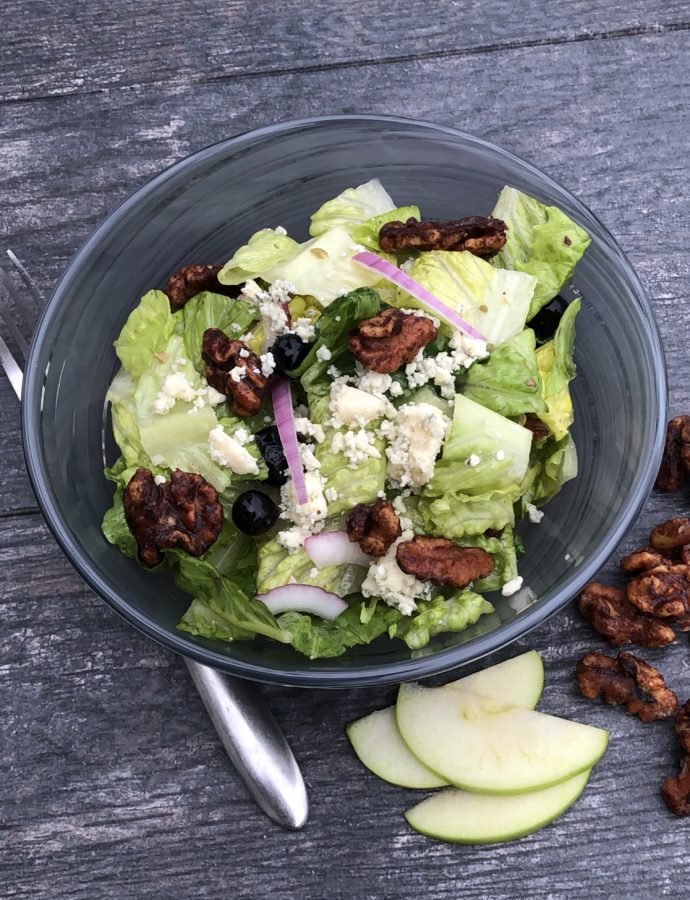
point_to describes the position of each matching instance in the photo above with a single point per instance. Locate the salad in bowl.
(330, 441)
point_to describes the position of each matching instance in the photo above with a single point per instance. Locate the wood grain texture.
(113, 783)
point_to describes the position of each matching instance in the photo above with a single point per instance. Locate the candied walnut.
(626, 680)
(671, 536)
(683, 726)
(443, 561)
(676, 791)
(234, 370)
(610, 612)
(675, 463)
(374, 526)
(391, 339)
(641, 560)
(183, 513)
(192, 280)
(481, 235)
(663, 591)
(537, 427)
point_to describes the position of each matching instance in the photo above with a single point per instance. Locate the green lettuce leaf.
(557, 369)
(277, 567)
(265, 249)
(494, 300)
(458, 515)
(351, 208)
(125, 421)
(440, 615)
(116, 529)
(353, 486)
(368, 232)
(542, 241)
(202, 621)
(209, 310)
(146, 331)
(498, 448)
(503, 550)
(509, 382)
(556, 464)
(234, 555)
(318, 639)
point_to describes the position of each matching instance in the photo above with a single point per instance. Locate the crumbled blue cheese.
(271, 302)
(385, 579)
(440, 369)
(350, 406)
(304, 329)
(237, 373)
(373, 382)
(500, 455)
(473, 460)
(415, 438)
(512, 587)
(534, 515)
(395, 389)
(292, 539)
(175, 387)
(268, 364)
(228, 451)
(323, 354)
(331, 494)
(159, 479)
(401, 510)
(356, 446)
(309, 429)
(308, 516)
(309, 461)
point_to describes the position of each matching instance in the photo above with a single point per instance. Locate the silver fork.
(251, 736)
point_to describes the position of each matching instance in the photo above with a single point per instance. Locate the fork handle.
(255, 744)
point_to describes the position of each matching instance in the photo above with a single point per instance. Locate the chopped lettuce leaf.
(209, 310)
(352, 207)
(542, 241)
(323, 268)
(318, 639)
(359, 485)
(458, 515)
(116, 529)
(332, 330)
(508, 382)
(557, 369)
(493, 300)
(556, 464)
(278, 566)
(502, 549)
(266, 249)
(440, 615)
(234, 555)
(202, 621)
(146, 331)
(368, 232)
(484, 452)
(125, 422)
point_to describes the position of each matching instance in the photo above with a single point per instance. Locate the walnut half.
(374, 526)
(676, 791)
(675, 463)
(629, 681)
(481, 235)
(192, 280)
(443, 561)
(183, 512)
(391, 339)
(610, 612)
(663, 591)
(234, 370)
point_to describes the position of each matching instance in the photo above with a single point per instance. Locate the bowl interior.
(199, 211)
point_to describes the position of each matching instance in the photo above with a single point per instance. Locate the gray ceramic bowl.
(199, 210)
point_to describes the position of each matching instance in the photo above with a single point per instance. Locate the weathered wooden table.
(113, 783)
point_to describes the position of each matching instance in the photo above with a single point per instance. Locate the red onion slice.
(403, 280)
(334, 548)
(305, 598)
(285, 421)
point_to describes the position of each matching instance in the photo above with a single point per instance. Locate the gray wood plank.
(61, 49)
(589, 114)
(114, 783)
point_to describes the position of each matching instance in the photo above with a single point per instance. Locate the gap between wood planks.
(519, 44)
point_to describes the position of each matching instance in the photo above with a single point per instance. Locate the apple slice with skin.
(465, 818)
(480, 745)
(377, 742)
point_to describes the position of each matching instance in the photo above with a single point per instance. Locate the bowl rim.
(312, 675)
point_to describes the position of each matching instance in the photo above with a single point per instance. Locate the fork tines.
(16, 310)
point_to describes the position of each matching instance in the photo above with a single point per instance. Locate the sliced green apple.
(377, 741)
(480, 745)
(465, 818)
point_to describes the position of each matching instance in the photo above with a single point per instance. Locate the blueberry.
(254, 512)
(289, 351)
(546, 320)
(271, 448)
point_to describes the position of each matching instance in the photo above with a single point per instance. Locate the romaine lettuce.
(318, 639)
(209, 310)
(494, 300)
(125, 422)
(556, 464)
(557, 369)
(116, 529)
(508, 382)
(484, 452)
(440, 615)
(266, 248)
(351, 208)
(542, 241)
(278, 566)
(457, 515)
(502, 548)
(147, 330)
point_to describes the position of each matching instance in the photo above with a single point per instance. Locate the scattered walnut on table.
(629, 681)
(234, 370)
(613, 616)
(482, 235)
(675, 463)
(443, 561)
(676, 791)
(663, 591)
(683, 726)
(641, 560)
(192, 280)
(391, 339)
(183, 513)
(374, 526)
(671, 536)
